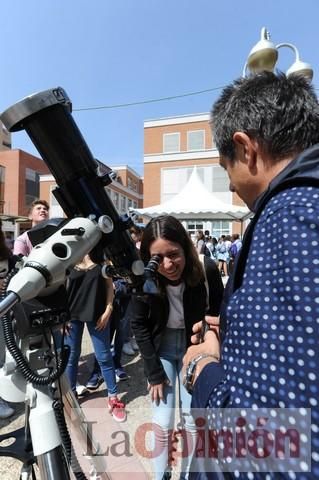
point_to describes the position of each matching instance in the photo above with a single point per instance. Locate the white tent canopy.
(194, 201)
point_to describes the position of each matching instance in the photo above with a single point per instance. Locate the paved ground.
(122, 444)
(119, 443)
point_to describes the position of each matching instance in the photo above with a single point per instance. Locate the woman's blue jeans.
(176, 402)
(101, 344)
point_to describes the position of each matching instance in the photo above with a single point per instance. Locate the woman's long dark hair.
(171, 229)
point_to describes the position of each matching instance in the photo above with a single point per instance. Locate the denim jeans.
(176, 401)
(119, 327)
(101, 345)
(126, 325)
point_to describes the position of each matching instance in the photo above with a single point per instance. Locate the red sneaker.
(117, 409)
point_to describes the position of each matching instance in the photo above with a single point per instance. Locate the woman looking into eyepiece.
(163, 322)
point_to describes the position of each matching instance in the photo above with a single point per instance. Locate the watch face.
(189, 375)
(106, 224)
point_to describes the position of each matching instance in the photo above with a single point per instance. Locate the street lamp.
(264, 55)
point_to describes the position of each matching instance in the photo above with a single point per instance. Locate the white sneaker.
(81, 390)
(5, 410)
(127, 349)
(134, 344)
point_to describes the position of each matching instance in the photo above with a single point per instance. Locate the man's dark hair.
(39, 202)
(281, 113)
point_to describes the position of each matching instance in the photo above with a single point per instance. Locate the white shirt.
(176, 307)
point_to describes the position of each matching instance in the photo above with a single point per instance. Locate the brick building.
(20, 172)
(172, 147)
(125, 191)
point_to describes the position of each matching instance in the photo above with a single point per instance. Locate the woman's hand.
(157, 392)
(102, 322)
(66, 329)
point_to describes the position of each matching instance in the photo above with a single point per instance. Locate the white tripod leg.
(45, 435)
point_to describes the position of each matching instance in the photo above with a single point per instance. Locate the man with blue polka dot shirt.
(266, 128)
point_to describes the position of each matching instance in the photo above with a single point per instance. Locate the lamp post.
(264, 55)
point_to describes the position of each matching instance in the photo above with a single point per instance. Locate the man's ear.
(249, 148)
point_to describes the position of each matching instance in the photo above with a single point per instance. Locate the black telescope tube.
(47, 119)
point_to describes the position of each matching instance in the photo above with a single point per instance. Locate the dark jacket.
(150, 315)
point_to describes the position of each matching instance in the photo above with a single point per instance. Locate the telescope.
(34, 294)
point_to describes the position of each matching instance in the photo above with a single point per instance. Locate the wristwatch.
(189, 376)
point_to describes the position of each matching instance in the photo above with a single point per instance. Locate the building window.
(129, 203)
(2, 173)
(132, 184)
(215, 228)
(2, 183)
(213, 177)
(32, 186)
(220, 180)
(123, 203)
(116, 200)
(221, 227)
(193, 226)
(171, 142)
(196, 140)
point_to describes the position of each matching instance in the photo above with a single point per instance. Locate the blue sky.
(113, 52)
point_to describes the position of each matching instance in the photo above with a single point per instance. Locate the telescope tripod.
(44, 439)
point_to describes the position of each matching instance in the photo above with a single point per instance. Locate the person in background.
(211, 245)
(118, 329)
(266, 129)
(137, 233)
(222, 255)
(90, 299)
(119, 325)
(39, 211)
(9, 241)
(233, 251)
(130, 346)
(7, 262)
(200, 241)
(163, 322)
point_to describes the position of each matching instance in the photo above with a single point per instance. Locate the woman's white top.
(176, 308)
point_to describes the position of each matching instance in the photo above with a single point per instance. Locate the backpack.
(206, 251)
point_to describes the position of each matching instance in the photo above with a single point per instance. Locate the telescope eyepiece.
(152, 266)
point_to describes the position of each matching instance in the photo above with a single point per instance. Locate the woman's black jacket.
(150, 315)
